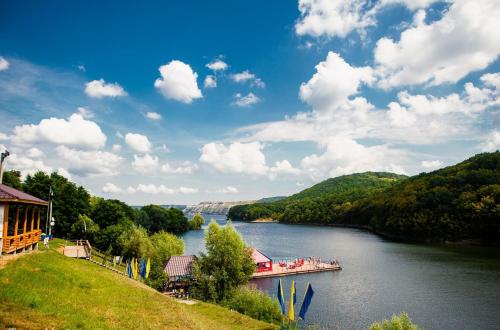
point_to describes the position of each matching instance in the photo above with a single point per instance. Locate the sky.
(177, 102)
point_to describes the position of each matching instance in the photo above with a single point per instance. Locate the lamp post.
(4, 155)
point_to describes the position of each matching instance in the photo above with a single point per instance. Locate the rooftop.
(9, 194)
(180, 265)
(258, 256)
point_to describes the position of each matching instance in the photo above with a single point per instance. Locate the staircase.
(82, 249)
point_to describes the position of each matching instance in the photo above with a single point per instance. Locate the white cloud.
(4, 64)
(431, 163)
(116, 148)
(99, 89)
(85, 113)
(153, 115)
(411, 4)
(3, 136)
(245, 76)
(187, 190)
(145, 164)
(86, 163)
(26, 165)
(332, 18)
(492, 80)
(235, 158)
(444, 51)
(34, 153)
(217, 65)
(81, 67)
(178, 82)
(283, 167)
(492, 142)
(76, 131)
(228, 190)
(64, 172)
(119, 135)
(210, 81)
(161, 189)
(138, 142)
(334, 81)
(246, 100)
(111, 188)
(187, 167)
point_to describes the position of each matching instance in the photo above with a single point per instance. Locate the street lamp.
(4, 155)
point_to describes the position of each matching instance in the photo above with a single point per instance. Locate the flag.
(136, 270)
(148, 267)
(281, 298)
(129, 269)
(143, 268)
(307, 301)
(293, 300)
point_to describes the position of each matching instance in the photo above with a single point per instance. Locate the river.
(441, 287)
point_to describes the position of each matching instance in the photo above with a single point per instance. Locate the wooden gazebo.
(20, 217)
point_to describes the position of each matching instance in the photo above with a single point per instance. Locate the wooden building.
(179, 270)
(262, 262)
(20, 220)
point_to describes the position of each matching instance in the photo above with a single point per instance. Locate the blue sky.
(175, 102)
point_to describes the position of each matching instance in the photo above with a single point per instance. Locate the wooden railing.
(20, 241)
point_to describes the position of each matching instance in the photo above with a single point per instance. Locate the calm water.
(455, 287)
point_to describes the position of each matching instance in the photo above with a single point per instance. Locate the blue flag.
(281, 298)
(129, 269)
(307, 301)
(143, 268)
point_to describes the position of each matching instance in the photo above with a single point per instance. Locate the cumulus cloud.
(228, 190)
(178, 82)
(444, 51)
(26, 165)
(217, 65)
(89, 162)
(138, 142)
(34, 153)
(492, 142)
(145, 164)
(111, 188)
(186, 167)
(431, 163)
(99, 89)
(76, 131)
(85, 113)
(116, 148)
(247, 76)
(161, 189)
(153, 115)
(246, 158)
(210, 81)
(334, 81)
(246, 100)
(4, 64)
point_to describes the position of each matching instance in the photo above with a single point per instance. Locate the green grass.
(47, 290)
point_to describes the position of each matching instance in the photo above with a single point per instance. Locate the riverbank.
(265, 220)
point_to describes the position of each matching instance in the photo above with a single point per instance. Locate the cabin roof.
(259, 257)
(180, 265)
(9, 194)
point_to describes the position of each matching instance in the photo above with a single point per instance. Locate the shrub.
(254, 303)
(397, 322)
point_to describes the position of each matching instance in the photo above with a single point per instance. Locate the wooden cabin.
(262, 262)
(20, 217)
(179, 270)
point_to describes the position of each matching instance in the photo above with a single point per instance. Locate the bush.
(196, 222)
(165, 245)
(135, 243)
(254, 303)
(84, 228)
(397, 322)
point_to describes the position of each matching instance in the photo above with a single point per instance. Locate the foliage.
(84, 228)
(52, 291)
(226, 265)
(156, 218)
(12, 179)
(135, 243)
(454, 203)
(397, 322)
(254, 303)
(106, 212)
(69, 200)
(196, 222)
(108, 237)
(165, 245)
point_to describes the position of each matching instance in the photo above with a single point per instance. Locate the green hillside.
(340, 189)
(454, 203)
(271, 199)
(48, 290)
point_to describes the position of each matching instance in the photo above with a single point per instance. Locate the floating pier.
(284, 269)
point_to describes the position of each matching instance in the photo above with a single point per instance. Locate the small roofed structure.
(262, 262)
(20, 217)
(179, 270)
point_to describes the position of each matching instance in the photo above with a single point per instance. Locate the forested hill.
(339, 189)
(454, 203)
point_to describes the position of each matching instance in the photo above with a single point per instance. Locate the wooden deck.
(305, 268)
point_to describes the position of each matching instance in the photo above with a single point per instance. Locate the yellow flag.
(148, 267)
(136, 272)
(293, 300)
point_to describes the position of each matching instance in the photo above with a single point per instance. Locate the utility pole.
(4, 155)
(49, 212)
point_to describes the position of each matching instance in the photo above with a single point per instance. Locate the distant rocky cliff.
(214, 207)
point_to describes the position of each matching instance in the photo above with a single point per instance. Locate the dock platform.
(305, 268)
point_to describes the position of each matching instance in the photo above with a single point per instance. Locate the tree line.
(454, 203)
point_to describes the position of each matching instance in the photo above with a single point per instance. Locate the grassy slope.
(46, 289)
